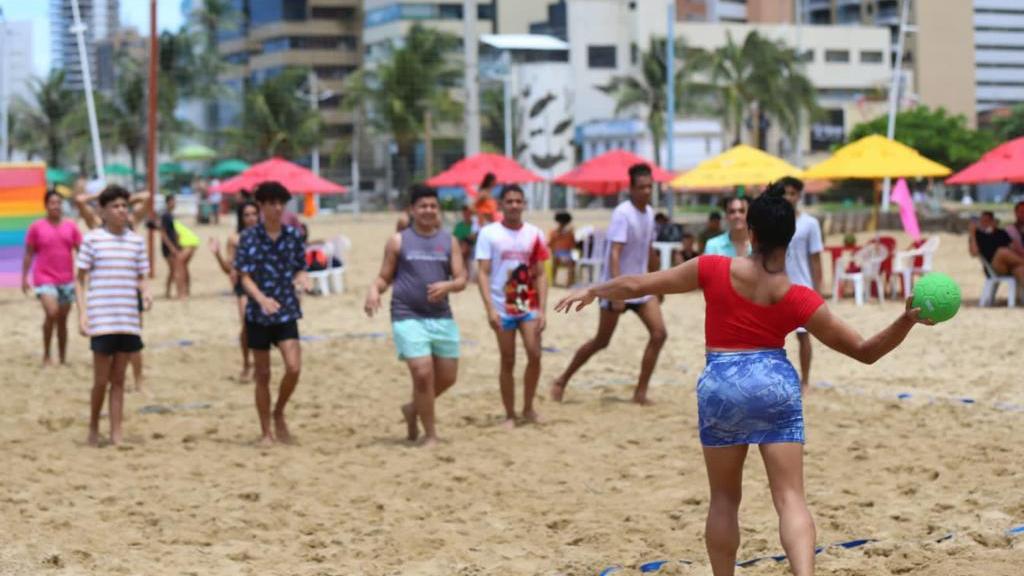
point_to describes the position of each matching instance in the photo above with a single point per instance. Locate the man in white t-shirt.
(631, 234)
(510, 255)
(803, 262)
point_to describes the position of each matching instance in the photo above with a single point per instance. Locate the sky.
(133, 13)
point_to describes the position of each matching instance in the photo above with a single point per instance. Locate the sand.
(602, 482)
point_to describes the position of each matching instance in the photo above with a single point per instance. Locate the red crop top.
(734, 322)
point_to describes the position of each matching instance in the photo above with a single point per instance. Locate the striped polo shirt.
(114, 262)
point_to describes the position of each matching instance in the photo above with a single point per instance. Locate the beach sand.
(602, 482)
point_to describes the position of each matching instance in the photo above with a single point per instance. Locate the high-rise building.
(268, 36)
(998, 53)
(123, 43)
(100, 17)
(752, 11)
(17, 57)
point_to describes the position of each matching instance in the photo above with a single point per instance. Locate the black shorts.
(239, 291)
(260, 336)
(110, 344)
(633, 307)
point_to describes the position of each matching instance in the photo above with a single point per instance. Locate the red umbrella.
(469, 172)
(295, 178)
(1004, 163)
(608, 173)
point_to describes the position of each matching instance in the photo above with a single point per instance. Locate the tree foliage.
(276, 120)
(1010, 126)
(935, 133)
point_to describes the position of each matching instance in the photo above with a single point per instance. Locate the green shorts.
(419, 337)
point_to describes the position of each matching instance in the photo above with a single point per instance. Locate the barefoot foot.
(509, 423)
(412, 429)
(642, 399)
(266, 440)
(557, 390)
(93, 439)
(281, 430)
(532, 417)
(430, 442)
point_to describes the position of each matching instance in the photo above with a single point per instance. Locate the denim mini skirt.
(749, 398)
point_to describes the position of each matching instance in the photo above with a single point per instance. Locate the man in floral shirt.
(271, 261)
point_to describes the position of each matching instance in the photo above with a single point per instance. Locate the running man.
(425, 265)
(510, 255)
(631, 234)
(272, 264)
(803, 263)
(51, 243)
(112, 265)
(249, 216)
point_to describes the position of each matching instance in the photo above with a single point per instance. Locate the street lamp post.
(315, 97)
(4, 81)
(79, 30)
(894, 92)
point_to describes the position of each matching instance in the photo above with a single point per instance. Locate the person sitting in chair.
(988, 240)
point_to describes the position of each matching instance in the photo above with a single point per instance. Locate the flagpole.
(894, 93)
(90, 105)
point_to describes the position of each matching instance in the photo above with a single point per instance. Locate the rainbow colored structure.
(22, 187)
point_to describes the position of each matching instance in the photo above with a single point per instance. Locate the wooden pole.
(154, 54)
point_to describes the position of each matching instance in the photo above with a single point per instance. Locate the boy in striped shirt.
(112, 265)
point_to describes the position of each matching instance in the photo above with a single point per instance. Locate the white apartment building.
(998, 53)
(100, 17)
(16, 71)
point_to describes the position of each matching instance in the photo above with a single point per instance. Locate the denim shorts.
(749, 398)
(510, 323)
(64, 293)
(420, 337)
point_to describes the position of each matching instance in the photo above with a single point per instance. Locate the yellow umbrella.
(739, 166)
(873, 157)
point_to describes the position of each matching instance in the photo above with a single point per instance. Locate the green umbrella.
(118, 170)
(170, 169)
(57, 176)
(195, 152)
(226, 168)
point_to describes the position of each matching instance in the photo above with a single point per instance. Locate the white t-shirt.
(512, 254)
(806, 241)
(635, 230)
(115, 263)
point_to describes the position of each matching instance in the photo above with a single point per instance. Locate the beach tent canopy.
(117, 169)
(228, 168)
(1004, 163)
(297, 179)
(740, 165)
(57, 176)
(195, 152)
(469, 172)
(873, 157)
(608, 173)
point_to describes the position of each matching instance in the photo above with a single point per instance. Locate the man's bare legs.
(107, 369)
(650, 315)
(185, 256)
(785, 466)
(62, 332)
(1007, 262)
(506, 378)
(607, 322)
(531, 335)
(722, 531)
(805, 359)
(440, 373)
(135, 359)
(291, 353)
(261, 373)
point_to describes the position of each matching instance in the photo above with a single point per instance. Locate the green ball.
(937, 295)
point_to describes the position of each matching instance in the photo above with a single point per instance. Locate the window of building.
(807, 56)
(601, 57)
(271, 11)
(333, 13)
(837, 56)
(439, 11)
(871, 56)
(634, 53)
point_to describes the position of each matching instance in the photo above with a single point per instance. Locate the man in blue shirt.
(271, 261)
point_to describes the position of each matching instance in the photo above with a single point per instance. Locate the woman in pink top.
(51, 243)
(749, 393)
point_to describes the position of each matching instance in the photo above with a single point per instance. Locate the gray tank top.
(422, 260)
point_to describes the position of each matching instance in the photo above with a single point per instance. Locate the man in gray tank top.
(424, 264)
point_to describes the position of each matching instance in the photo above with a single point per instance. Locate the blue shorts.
(749, 398)
(509, 323)
(64, 293)
(419, 337)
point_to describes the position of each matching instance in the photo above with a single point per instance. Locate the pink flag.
(901, 196)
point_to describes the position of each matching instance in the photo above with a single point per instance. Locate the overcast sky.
(133, 13)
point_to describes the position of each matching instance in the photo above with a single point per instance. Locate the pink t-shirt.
(53, 246)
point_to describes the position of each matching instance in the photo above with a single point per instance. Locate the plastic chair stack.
(592, 256)
(908, 264)
(868, 270)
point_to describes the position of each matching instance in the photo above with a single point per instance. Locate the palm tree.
(763, 78)
(48, 114)
(177, 78)
(409, 91)
(276, 121)
(646, 91)
(24, 136)
(205, 23)
(128, 122)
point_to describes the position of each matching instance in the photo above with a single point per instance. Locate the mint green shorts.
(419, 337)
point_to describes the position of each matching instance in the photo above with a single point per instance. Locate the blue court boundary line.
(656, 565)
(931, 398)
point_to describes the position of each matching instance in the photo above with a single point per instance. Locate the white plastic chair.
(341, 245)
(593, 256)
(869, 259)
(903, 269)
(321, 279)
(992, 282)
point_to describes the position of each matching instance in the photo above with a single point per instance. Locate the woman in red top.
(749, 393)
